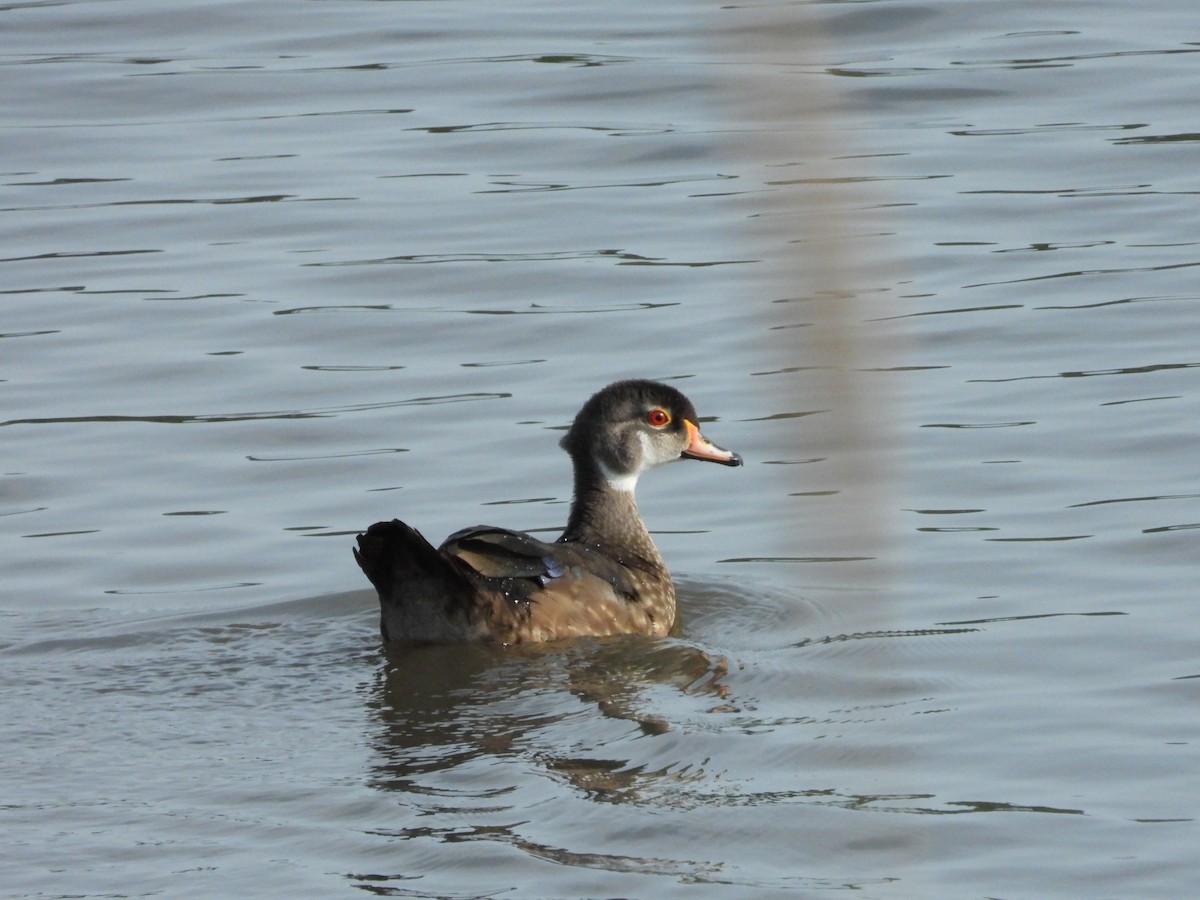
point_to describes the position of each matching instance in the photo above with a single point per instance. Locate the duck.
(603, 576)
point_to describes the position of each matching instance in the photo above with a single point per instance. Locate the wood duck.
(603, 576)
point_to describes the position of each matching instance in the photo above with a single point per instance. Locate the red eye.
(659, 418)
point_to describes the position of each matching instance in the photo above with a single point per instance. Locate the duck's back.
(489, 583)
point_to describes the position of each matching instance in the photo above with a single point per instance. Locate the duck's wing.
(538, 591)
(500, 553)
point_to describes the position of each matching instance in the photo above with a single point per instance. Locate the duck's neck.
(604, 514)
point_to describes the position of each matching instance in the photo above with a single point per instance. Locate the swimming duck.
(603, 576)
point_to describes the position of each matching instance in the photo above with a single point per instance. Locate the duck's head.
(631, 426)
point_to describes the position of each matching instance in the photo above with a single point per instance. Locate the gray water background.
(272, 271)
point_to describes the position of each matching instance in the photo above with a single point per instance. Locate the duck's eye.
(658, 417)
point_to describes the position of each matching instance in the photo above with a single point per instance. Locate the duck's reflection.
(443, 707)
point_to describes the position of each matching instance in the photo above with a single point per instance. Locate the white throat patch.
(628, 481)
(619, 482)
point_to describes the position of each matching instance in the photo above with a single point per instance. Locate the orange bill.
(700, 447)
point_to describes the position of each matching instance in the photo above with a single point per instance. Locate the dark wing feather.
(500, 553)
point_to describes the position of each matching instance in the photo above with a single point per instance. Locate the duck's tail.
(389, 552)
(421, 591)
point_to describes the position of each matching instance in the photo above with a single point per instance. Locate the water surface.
(272, 272)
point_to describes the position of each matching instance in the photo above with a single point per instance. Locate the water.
(274, 271)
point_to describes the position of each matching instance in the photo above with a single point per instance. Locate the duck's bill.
(700, 447)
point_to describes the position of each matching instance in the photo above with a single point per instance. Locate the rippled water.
(273, 271)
